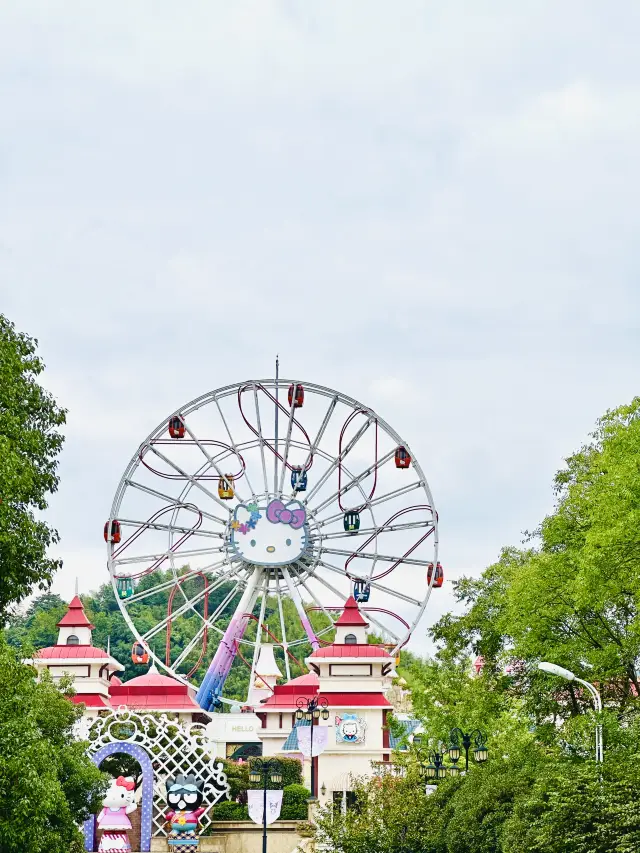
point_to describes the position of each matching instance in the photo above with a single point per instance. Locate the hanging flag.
(319, 740)
(255, 800)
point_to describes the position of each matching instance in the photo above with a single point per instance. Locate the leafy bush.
(298, 812)
(230, 811)
(295, 794)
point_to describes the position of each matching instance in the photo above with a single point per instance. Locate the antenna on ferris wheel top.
(275, 456)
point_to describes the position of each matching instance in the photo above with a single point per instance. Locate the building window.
(236, 751)
(72, 640)
(345, 801)
(351, 640)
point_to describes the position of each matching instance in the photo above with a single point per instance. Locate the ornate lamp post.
(436, 768)
(311, 710)
(265, 770)
(458, 737)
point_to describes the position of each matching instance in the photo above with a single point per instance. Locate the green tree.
(48, 785)
(29, 446)
(574, 596)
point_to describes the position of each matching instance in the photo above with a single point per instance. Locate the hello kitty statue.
(117, 804)
(271, 535)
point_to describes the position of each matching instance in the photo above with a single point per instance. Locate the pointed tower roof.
(351, 615)
(75, 617)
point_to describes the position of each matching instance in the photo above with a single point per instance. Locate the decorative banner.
(319, 740)
(255, 800)
(350, 729)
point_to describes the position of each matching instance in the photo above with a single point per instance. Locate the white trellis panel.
(173, 748)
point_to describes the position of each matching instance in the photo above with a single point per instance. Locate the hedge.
(294, 805)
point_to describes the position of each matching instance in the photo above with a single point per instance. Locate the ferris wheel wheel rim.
(225, 391)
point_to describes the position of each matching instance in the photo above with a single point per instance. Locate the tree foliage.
(29, 446)
(48, 785)
(573, 596)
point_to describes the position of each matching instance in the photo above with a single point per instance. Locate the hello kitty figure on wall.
(350, 729)
(117, 804)
(272, 535)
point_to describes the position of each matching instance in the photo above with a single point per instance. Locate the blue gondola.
(361, 591)
(299, 479)
(351, 520)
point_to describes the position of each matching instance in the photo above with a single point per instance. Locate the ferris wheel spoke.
(372, 619)
(287, 444)
(367, 555)
(126, 561)
(283, 633)
(210, 459)
(354, 482)
(373, 585)
(126, 522)
(168, 584)
(206, 625)
(319, 603)
(233, 444)
(172, 501)
(382, 499)
(260, 436)
(189, 605)
(316, 442)
(256, 648)
(338, 460)
(193, 480)
(364, 531)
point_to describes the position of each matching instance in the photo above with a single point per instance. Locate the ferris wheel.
(253, 512)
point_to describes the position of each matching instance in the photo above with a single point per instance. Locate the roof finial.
(76, 585)
(109, 644)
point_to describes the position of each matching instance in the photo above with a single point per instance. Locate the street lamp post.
(311, 710)
(436, 768)
(554, 669)
(480, 752)
(265, 770)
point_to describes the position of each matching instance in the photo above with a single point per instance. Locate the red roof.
(285, 695)
(155, 701)
(75, 617)
(351, 614)
(91, 700)
(154, 691)
(359, 700)
(357, 650)
(71, 652)
(308, 680)
(278, 702)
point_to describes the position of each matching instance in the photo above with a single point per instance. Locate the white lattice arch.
(173, 748)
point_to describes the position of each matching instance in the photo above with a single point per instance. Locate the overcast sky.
(429, 206)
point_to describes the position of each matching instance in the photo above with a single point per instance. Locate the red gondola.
(299, 396)
(402, 458)
(114, 535)
(439, 578)
(176, 427)
(139, 654)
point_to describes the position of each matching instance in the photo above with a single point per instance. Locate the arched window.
(351, 640)
(72, 640)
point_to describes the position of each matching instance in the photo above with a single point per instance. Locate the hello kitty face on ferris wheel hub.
(275, 534)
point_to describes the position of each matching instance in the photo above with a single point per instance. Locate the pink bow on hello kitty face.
(292, 514)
